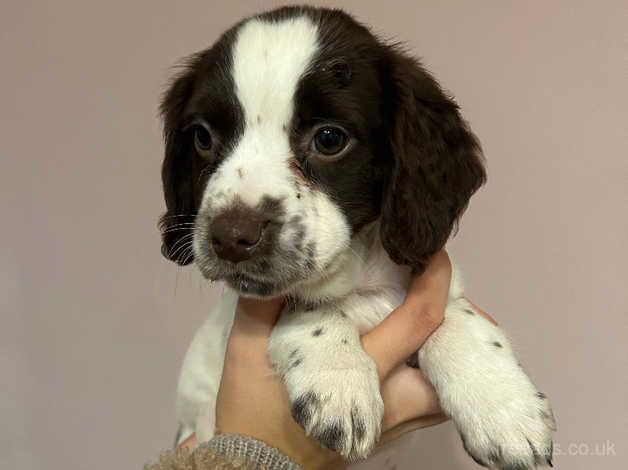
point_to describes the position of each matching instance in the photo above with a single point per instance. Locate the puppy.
(305, 158)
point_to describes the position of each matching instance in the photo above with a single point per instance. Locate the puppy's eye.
(329, 141)
(202, 139)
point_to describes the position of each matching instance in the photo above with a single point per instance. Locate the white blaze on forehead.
(269, 60)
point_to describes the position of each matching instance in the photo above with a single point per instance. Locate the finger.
(409, 426)
(404, 331)
(256, 317)
(248, 339)
(189, 443)
(481, 312)
(407, 395)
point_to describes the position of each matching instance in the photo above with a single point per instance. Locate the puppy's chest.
(365, 290)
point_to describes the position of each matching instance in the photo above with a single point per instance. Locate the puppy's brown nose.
(236, 233)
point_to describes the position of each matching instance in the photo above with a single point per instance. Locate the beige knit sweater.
(225, 452)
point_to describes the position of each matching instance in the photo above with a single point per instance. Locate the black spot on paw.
(345, 341)
(548, 453)
(537, 455)
(332, 436)
(302, 408)
(470, 312)
(293, 353)
(541, 395)
(495, 455)
(318, 332)
(497, 344)
(359, 428)
(295, 363)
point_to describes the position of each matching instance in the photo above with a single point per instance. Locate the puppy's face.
(291, 133)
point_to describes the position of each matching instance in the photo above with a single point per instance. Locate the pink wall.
(94, 322)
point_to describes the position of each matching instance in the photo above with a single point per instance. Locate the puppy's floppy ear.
(177, 171)
(436, 163)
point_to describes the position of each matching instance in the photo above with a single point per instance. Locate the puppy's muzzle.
(238, 233)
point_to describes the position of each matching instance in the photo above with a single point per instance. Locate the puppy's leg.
(503, 420)
(332, 383)
(200, 374)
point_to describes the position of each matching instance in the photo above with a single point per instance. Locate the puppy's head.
(294, 131)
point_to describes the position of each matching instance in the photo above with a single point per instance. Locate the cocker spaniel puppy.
(306, 158)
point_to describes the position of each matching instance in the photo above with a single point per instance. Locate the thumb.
(403, 332)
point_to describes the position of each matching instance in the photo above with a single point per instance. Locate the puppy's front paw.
(514, 432)
(341, 408)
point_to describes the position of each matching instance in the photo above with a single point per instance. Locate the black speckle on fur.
(548, 452)
(359, 428)
(535, 452)
(332, 436)
(345, 341)
(541, 395)
(495, 455)
(470, 312)
(293, 353)
(302, 408)
(318, 332)
(497, 344)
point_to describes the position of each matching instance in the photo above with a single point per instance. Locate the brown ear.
(436, 164)
(177, 172)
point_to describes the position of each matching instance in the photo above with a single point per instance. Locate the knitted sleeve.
(225, 452)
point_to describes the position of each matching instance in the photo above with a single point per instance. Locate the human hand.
(253, 401)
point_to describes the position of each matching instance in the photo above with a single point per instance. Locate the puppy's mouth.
(253, 287)
(260, 278)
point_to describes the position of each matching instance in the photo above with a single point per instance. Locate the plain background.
(94, 322)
